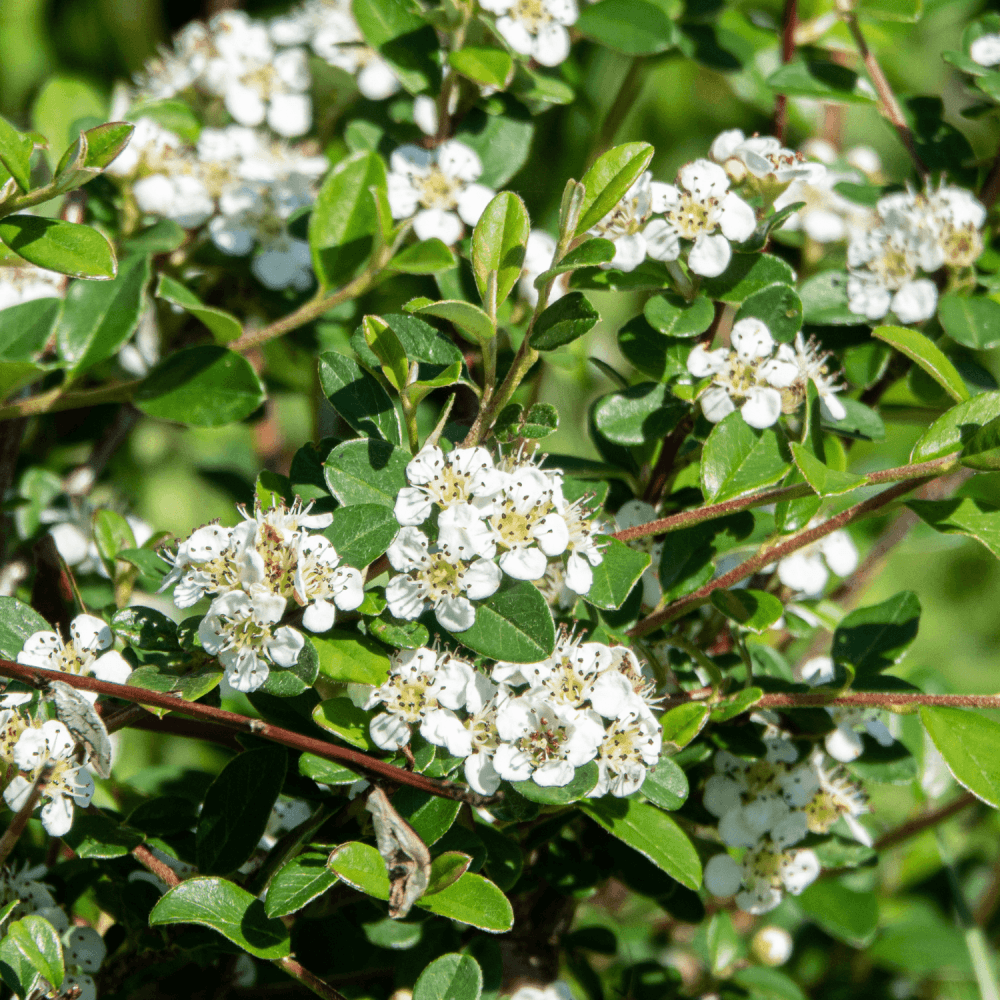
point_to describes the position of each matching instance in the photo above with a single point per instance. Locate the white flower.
(700, 208)
(437, 578)
(631, 514)
(182, 198)
(89, 636)
(723, 876)
(762, 156)
(555, 991)
(808, 569)
(623, 225)
(772, 945)
(457, 478)
(238, 629)
(632, 743)
(203, 564)
(84, 948)
(535, 28)
(767, 871)
(321, 582)
(915, 301)
(583, 551)
(437, 189)
(985, 50)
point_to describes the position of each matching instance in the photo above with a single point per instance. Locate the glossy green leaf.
(590, 253)
(112, 533)
(674, 316)
(982, 450)
(608, 179)
(431, 816)
(739, 459)
(972, 322)
(906, 11)
(343, 221)
(426, 257)
(398, 632)
(682, 724)
(583, 781)
(361, 533)
(383, 343)
(15, 154)
(635, 27)
(755, 610)
(962, 516)
(450, 977)
(67, 247)
(352, 658)
(968, 742)
(446, 869)
(369, 471)
(928, 355)
(190, 686)
(25, 329)
(618, 572)
(824, 300)
(498, 247)
(736, 704)
(99, 836)
(61, 103)
(642, 413)
(652, 833)
(342, 717)
(515, 624)
(237, 807)
(487, 66)
(746, 274)
(145, 628)
(202, 387)
(326, 772)
(952, 430)
(504, 858)
(18, 621)
(34, 942)
(861, 422)
(566, 320)
(359, 398)
(849, 916)
(228, 909)
(297, 883)
(779, 307)
(512, 422)
(223, 325)
(472, 900)
(875, 638)
(655, 355)
(819, 79)
(825, 481)
(90, 153)
(469, 320)
(665, 785)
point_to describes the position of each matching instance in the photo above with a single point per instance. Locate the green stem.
(54, 400)
(685, 286)
(628, 90)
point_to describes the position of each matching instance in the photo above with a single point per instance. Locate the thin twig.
(770, 554)
(890, 106)
(152, 863)
(664, 466)
(310, 981)
(920, 823)
(20, 821)
(790, 20)
(37, 678)
(55, 400)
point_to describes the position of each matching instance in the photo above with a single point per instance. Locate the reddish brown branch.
(13, 832)
(152, 863)
(790, 21)
(924, 822)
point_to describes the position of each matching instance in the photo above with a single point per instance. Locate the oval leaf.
(66, 247)
(515, 624)
(498, 246)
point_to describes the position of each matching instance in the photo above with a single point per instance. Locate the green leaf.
(34, 942)
(398, 632)
(755, 610)
(512, 422)
(610, 177)
(344, 221)
(403, 39)
(968, 742)
(779, 307)
(386, 347)
(326, 772)
(746, 274)
(62, 102)
(928, 355)
(350, 723)
(824, 300)
(112, 533)
(15, 154)
(368, 471)
(99, 836)
(618, 572)
(962, 516)
(590, 253)
(163, 236)
(97, 318)
(202, 387)
(972, 322)
(352, 658)
(297, 883)
(486, 66)
(515, 624)
(819, 79)
(431, 816)
(149, 564)
(907, 11)
(90, 153)
(682, 724)
(737, 704)
(635, 27)
(953, 429)
(450, 977)
(228, 909)
(583, 781)
(24, 331)
(223, 325)
(174, 115)
(504, 859)
(189, 686)
(665, 785)
(18, 621)
(361, 533)
(446, 869)
(640, 414)
(861, 422)
(472, 900)
(498, 246)
(652, 833)
(425, 257)
(982, 450)
(361, 867)
(875, 638)
(145, 628)
(566, 320)
(825, 481)
(851, 917)
(739, 459)
(421, 341)
(237, 807)
(469, 320)
(763, 983)
(661, 358)
(674, 316)
(502, 141)
(359, 398)
(66, 247)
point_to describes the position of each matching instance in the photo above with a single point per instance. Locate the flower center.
(409, 699)
(894, 267)
(442, 578)
(531, 13)
(245, 632)
(450, 486)
(544, 742)
(821, 812)
(764, 864)
(436, 190)
(620, 746)
(693, 216)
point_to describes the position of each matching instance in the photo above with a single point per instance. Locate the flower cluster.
(515, 510)
(762, 157)
(761, 378)
(240, 181)
(535, 28)
(586, 702)
(808, 570)
(437, 189)
(913, 235)
(254, 570)
(23, 282)
(767, 806)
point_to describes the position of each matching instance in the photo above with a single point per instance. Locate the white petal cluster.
(41, 745)
(438, 189)
(762, 156)
(24, 282)
(767, 806)
(914, 235)
(255, 569)
(985, 50)
(759, 377)
(844, 743)
(514, 513)
(241, 181)
(535, 28)
(808, 570)
(87, 654)
(699, 212)
(329, 28)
